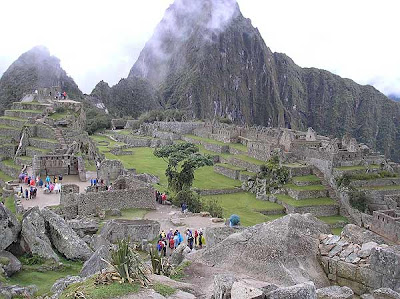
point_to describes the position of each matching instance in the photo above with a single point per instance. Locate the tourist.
(60, 177)
(184, 208)
(201, 237)
(163, 198)
(40, 183)
(170, 234)
(180, 238)
(189, 236)
(32, 183)
(47, 180)
(26, 194)
(65, 95)
(162, 234)
(110, 188)
(176, 239)
(171, 244)
(21, 177)
(196, 240)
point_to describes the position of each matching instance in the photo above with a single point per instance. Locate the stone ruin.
(109, 170)
(387, 224)
(126, 193)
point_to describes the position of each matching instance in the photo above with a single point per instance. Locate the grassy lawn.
(45, 140)
(92, 291)
(13, 118)
(26, 158)
(333, 219)
(163, 289)
(246, 206)
(44, 280)
(305, 188)
(206, 179)
(24, 110)
(250, 159)
(381, 188)
(229, 166)
(9, 128)
(293, 165)
(323, 201)
(307, 178)
(203, 151)
(9, 203)
(247, 173)
(238, 146)
(4, 177)
(102, 147)
(357, 167)
(122, 132)
(337, 231)
(11, 163)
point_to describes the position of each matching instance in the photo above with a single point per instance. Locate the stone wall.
(110, 170)
(362, 267)
(376, 182)
(216, 147)
(10, 132)
(22, 114)
(44, 144)
(259, 150)
(303, 194)
(317, 211)
(93, 202)
(8, 150)
(242, 164)
(133, 141)
(219, 191)
(55, 165)
(181, 128)
(11, 171)
(230, 173)
(387, 224)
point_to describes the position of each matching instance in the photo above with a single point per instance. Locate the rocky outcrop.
(223, 285)
(34, 237)
(179, 254)
(300, 291)
(15, 291)
(9, 227)
(60, 285)
(283, 251)
(96, 262)
(215, 235)
(9, 263)
(64, 239)
(84, 226)
(335, 292)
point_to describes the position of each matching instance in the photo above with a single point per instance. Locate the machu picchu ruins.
(216, 169)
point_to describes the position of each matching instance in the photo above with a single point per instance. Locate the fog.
(101, 40)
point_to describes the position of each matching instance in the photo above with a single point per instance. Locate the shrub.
(212, 206)
(191, 199)
(128, 264)
(358, 200)
(159, 264)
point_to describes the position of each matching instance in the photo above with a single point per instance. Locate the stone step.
(35, 151)
(12, 121)
(306, 192)
(12, 133)
(30, 106)
(23, 160)
(219, 191)
(9, 167)
(43, 143)
(309, 180)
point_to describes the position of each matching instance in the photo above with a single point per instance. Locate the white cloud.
(97, 40)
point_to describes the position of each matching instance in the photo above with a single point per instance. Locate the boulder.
(223, 286)
(9, 227)
(84, 226)
(282, 252)
(366, 249)
(359, 235)
(215, 235)
(179, 254)
(64, 239)
(385, 293)
(9, 263)
(299, 291)
(335, 292)
(15, 291)
(387, 262)
(182, 295)
(135, 230)
(96, 262)
(61, 284)
(251, 289)
(34, 237)
(97, 241)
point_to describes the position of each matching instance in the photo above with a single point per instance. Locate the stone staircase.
(63, 147)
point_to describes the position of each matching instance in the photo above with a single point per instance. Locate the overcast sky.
(100, 40)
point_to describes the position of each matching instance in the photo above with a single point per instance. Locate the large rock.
(84, 226)
(335, 292)
(64, 239)
(34, 237)
(96, 262)
(179, 254)
(250, 289)
(385, 293)
(215, 235)
(299, 291)
(283, 251)
(61, 284)
(9, 227)
(223, 286)
(15, 291)
(359, 235)
(386, 260)
(135, 230)
(9, 263)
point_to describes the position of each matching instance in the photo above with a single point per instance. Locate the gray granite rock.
(335, 292)
(9, 227)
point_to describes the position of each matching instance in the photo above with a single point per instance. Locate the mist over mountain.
(394, 97)
(32, 70)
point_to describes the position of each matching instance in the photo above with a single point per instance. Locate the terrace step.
(219, 191)
(306, 192)
(309, 180)
(12, 121)
(43, 143)
(334, 221)
(23, 113)
(331, 191)
(35, 151)
(23, 161)
(316, 206)
(29, 106)
(9, 167)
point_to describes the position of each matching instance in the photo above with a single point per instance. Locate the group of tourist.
(100, 183)
(33, 182)
(161, 198)
(60, 95)
(173, 239)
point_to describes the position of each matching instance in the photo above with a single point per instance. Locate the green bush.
(212, 206)
(358, 200)
(191, 199)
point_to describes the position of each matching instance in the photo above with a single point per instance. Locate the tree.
(183, 159)
(274, 173)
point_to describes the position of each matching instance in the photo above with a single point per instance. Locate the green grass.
(90, 165)
(229, 166)
(203, 151)
(357, 167)
(31, 274)
(42, 150)
(238, 146)
(11, 163)
(307, 178)
(250, 160)
(25, 158)
(92, 291)
(9, 128)
(163, 289)
(333, 219)
(293, 165)
(5, 177)
(381, 188)
(13, 118)
(45, 140)
(24, 110)
(305, 188)
(180, 271)
(105, 148)
(323, 201)
(122, 132)
(337, 231)
(248, 173)
(10, 204)
(206, 179)
(246, 206)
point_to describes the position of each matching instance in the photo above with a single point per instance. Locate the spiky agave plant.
(128, 264)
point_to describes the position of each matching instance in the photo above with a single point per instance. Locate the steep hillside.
(207, 58)
(34, 69)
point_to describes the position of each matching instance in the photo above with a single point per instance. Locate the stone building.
(58, 164)
(387, 224)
